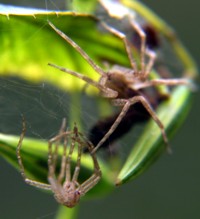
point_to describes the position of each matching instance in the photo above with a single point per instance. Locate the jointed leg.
(168, 82)
(68, 160)
(96, 176)
(64, 157)
(145, 68)
(107, 92)
(126, 105)
(113, 127)
(94, 179)
(143, 50)
(79, 50)
(123, 37)
(142, 35)
(90, 183)
(78, 163)
(149, 65)
(21, 166)
(53, 152)
(57, 144)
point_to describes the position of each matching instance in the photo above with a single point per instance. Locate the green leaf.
(87, 6)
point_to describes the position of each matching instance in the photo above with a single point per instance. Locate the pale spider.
(118, 81)
(66, 188)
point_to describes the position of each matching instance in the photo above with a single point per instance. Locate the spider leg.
(123, 37)
(142, 35)
(149, 65)
(79, 50)
(113, 127)
(168, 82)
(107, 92)
(53, 153)
(143, 50)
(91, 148)
(94, 179)
(51, 163)
(78, 163)
(90, 183)
(68, 161)
(96, 176)
(57, 142)
(21, 166)
(126, 105)
(64, 157)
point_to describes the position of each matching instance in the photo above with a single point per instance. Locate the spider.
(66, 188)
(123, 85)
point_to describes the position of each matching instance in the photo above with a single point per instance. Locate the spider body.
(68, 194)
(65, 186)
(123, 85)
(120, 80)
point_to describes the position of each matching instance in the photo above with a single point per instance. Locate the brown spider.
(66, 188)
(122, 84)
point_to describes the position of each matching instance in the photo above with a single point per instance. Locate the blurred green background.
(169, 189)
